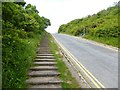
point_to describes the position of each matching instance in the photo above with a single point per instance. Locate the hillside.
(101, 27)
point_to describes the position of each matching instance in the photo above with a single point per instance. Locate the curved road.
(100, 61)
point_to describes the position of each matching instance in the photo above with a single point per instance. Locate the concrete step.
(44, 50)
(45, 60)
(44, 54)
(43, 80)
(45, 57)
(45, 73)
(45, 63)
(44, 46)
(40, 68)
(46, 86)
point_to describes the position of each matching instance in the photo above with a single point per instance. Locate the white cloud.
(62, 11)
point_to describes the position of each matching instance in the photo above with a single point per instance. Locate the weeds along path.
(44, 72)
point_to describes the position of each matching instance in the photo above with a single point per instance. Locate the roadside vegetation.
(68, 80)
(101, 27)
(22, 31)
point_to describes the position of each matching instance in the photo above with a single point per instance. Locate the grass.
(17, 60)
(68, 80)
(105, 40)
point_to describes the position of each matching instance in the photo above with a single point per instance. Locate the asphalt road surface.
(102, 62)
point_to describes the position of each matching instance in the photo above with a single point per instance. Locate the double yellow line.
(80, 67)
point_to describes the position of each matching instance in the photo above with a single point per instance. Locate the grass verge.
(105, 40)
(68, 80)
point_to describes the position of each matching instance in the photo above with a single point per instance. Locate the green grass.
(17, 60)
(68, 80)
(105, 40)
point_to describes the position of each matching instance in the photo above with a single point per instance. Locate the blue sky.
(63, 11)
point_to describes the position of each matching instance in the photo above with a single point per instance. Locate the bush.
(18, 55)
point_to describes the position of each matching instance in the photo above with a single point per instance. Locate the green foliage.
(18, 55)
(104, 24)
(22, 29)
(23, 18)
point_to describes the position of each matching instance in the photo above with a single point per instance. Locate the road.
(102, 62)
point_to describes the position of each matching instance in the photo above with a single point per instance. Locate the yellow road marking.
(86, 72)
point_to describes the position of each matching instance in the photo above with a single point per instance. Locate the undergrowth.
(16, 61)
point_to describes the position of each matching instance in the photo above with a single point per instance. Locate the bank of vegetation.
(101, 27)
(22, 30)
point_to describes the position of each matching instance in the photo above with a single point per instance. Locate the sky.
(63, 11)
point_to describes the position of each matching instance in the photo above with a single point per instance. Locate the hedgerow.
(22, 30)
